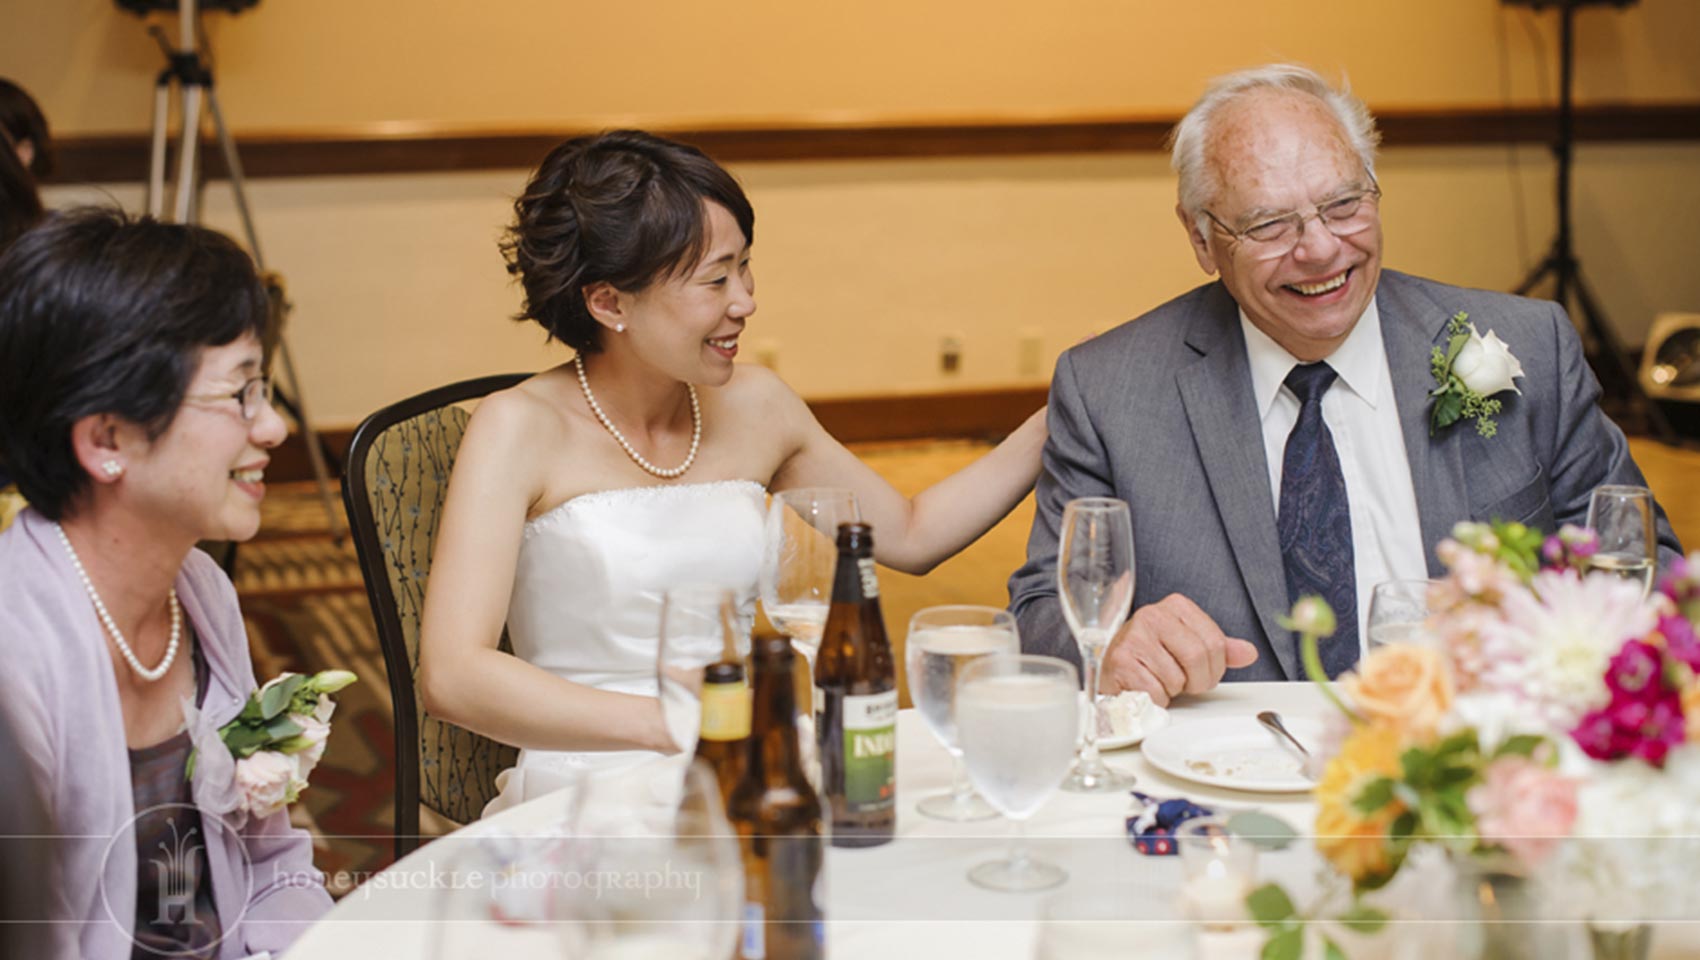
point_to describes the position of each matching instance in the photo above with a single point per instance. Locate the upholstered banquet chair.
(394, 483)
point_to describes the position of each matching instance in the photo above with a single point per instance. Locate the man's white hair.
(1190, 137)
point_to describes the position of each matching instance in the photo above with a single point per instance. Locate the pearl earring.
(619, 328)
(112, 468)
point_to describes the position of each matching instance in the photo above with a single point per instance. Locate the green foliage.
(1264, 830)
(1452, 400)
(1270, 906)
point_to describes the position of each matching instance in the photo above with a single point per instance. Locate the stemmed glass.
(801, 554)
(943, 640)
(1622, 517)
(1397, 612)
(1017, 716)
(694, 621)
(1095, 586)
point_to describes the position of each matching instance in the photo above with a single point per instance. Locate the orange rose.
(1406, 686)
(1691, 710)
(1356, 844)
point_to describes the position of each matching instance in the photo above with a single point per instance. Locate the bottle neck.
(853, 580)
(774, 719)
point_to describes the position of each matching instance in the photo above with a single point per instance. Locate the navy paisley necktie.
(1315, 523)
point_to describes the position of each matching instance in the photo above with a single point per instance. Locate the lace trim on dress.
(658, 492)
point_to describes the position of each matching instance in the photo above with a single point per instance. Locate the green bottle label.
(870, 752)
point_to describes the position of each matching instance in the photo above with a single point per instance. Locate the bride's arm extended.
(463, 677)
(913, 534)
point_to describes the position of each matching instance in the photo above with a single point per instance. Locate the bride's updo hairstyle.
(623, 208)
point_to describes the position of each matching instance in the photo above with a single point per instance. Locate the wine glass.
(1622, 517)
(695, 618)
(942, 640)
(1017, 716)
(801, 555)
(1095, 586)
(658, 870)
(1397, 611)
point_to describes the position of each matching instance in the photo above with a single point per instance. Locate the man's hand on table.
(1169, 648)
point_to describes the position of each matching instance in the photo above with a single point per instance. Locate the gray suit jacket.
(1159, 412)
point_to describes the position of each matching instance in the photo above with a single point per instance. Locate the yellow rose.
(1406, 686)
(1357, 845)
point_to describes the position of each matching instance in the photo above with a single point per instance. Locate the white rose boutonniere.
(1469, 370)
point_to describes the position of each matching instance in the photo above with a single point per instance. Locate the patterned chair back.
(394, 485)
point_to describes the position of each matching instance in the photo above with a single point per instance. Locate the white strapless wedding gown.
(587, 594)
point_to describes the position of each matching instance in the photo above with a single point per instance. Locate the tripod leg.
(233, 164)
(156, 157)
(186, 187)
(1536, 275)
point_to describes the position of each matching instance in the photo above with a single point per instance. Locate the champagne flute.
(1095, 587)
(943, 640)
(1017, 716)
(1622, 517)
(801, 555)
(695, 618)
(1397, 611)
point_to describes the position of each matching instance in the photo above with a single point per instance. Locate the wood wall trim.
(387, 149)
(967, 414)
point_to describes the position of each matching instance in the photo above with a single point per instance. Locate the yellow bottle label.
(725, 711)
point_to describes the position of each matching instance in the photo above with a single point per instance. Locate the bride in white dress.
(583, 493)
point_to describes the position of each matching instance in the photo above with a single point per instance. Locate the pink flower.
(1636, 670)
(266, 779)
(1524, 807)
(313, 733)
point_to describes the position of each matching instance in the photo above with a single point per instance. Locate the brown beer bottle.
(723, 740)
(856, 720)
(778, 818)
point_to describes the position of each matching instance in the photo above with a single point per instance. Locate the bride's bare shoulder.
(529, 410)
(757, 387)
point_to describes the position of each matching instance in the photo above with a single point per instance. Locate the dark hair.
(20, 204)
(21, 120)
(622, 208)
(102, 313)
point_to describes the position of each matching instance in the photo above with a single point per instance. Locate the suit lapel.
(1216, 392)
(1412, 325)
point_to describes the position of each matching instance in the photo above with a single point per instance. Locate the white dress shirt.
(1359, 408)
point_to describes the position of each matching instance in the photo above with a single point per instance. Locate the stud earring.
(112, 468)
(619, 328)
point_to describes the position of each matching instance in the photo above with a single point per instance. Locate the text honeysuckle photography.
(259, 762)
(1468, 372)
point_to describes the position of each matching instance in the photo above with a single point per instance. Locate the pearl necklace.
(112, 627)
(620, 438)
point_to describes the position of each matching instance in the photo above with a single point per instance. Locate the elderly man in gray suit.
(1271, 431)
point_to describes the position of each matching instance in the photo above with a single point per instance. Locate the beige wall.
(307, 64)
(865, 266)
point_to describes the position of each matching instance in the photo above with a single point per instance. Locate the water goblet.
(1017, 716)
(1622, 517)
(941, 642)
(1095, 587)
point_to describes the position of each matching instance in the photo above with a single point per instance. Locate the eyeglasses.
(1277, 236)
(254, 396)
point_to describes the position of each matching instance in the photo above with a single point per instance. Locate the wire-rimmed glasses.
(1274, 237)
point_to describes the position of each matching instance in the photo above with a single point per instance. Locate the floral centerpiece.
(259, 762)
(1550, 726)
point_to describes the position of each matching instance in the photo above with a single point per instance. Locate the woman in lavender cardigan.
(135, 417)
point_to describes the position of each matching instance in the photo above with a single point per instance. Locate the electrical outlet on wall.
(950, 354)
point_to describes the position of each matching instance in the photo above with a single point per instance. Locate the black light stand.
(1560, 262)
(192, 76)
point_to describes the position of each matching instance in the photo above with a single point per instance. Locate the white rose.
(265, 779)
(314, 732)
(1486, 365)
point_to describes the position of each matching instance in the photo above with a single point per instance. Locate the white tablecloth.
(911, 897)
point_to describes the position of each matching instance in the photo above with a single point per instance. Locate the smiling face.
(687, 324)
(1272, 153)
(204, 476)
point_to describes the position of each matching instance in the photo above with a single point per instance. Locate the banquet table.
(912, 897)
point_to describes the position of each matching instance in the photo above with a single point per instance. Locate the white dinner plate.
(1237, 753)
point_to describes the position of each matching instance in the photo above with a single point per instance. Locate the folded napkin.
(1153, 822)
